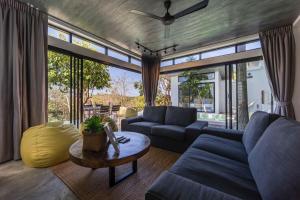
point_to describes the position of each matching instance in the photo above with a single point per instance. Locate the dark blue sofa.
(168, 127)
(263, 162)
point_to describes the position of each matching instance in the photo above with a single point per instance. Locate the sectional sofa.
(263, 162)
(168, 127)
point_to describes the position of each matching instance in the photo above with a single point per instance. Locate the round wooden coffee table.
(138, 146)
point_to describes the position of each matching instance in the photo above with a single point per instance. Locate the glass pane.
(187, 59)
(202, 89)
(218, 52)
(59, 34)
(88, 44)
(117, 55)
(253, 45)
(136, 62)
(125, 89)
(58, 87)
(163, 97)
(204, 98)
(253, 91)
(166, 63)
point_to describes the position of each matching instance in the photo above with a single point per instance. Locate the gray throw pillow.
(257, 125)
(275, 161)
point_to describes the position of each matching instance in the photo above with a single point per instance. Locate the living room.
(155, 100)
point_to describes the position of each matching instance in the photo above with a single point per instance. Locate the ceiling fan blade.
(192, 9)
(137, 12)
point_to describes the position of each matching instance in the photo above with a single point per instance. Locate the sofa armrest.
(171, 186)
(125, 122)
(194, 129)
(225, 133)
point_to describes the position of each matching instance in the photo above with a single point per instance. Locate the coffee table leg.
(134, 166)
(112, 174)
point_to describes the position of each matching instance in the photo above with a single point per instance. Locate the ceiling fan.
(169, 19)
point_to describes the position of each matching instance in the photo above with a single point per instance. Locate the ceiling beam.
(231, 58)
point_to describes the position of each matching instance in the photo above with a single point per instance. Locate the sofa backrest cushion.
(274, 162)
(257, 125)
(180, 116)
(154, 114)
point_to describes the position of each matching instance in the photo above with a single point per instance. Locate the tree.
(95, 75)
(194, 88)
(139, 86)
(120, 86)
(164, 91)
(242, 112)
(163, 96)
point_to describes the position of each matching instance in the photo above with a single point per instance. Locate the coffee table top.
(138, 146)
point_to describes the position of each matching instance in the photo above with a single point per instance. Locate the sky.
(132, 77)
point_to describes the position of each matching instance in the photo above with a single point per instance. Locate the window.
(204, 98)
(136, 62)
(218, 52)
(165, 63)
(87, 44)
(59, 34)
(187, 59)
(249, 46)
(117, 55)
(195, 91)
(253, 45)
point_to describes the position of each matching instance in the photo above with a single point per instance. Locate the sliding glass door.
(65, 83)
(247, 90)
(226, 95)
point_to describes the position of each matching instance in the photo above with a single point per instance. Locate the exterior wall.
(256, 85)
(296, 97)
(174, 90)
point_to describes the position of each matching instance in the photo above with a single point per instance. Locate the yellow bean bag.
(48, 144)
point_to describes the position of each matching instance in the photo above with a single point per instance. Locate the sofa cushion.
(180, 116)
(141, 127)
(154, 114)
(169, 131)
(224, 147)
(257, 125)
(172, 186)
(275, 161)
(223, 174)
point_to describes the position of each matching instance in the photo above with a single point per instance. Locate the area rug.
(93, 184)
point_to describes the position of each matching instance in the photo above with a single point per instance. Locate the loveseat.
(168, 127)
(260, 163)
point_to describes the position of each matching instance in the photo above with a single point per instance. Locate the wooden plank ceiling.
(221, 20)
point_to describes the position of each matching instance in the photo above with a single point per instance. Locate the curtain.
(150, 76)
(23, 73)
(278, 47)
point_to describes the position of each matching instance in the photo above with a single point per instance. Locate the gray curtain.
(23, 73)
(278, 47)
(150, 76)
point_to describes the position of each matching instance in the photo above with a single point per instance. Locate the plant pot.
(94, 141)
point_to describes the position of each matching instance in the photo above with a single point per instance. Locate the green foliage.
(94, 125)
(95, 75)
(139, 86)
(192, 83)
(163, 96)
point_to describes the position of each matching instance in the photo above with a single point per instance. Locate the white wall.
(296, 97)
(174, 90)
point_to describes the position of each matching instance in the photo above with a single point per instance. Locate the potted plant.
(94, 136)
